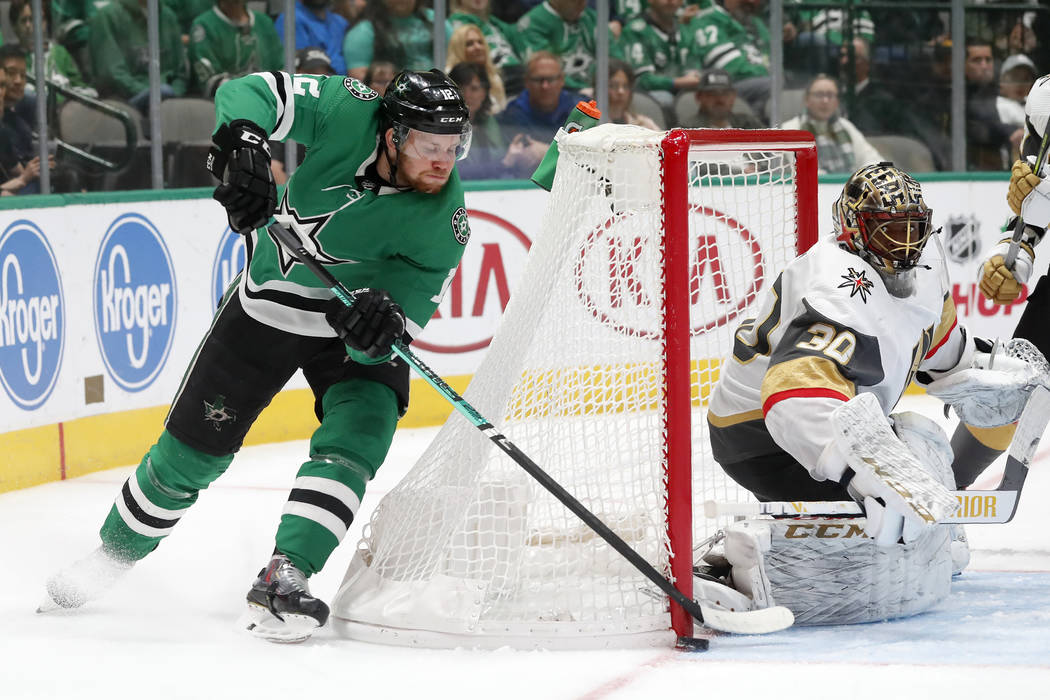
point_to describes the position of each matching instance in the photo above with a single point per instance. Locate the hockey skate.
(84, 580)
(280, 606)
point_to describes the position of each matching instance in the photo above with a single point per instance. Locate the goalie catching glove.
(371, 325)
(993, 389)
(240, 158)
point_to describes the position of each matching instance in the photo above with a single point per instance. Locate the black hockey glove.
(371, 325)
(240, 158)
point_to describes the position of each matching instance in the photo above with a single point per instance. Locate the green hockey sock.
(156, 496)
(358, 426)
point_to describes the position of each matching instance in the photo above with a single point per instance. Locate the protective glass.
(897, 238)
(439, 147)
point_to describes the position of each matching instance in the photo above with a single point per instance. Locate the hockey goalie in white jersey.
(838, 338)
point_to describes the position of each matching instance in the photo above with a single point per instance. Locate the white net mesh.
(468, 545)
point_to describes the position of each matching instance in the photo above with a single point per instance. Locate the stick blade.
(762, 621)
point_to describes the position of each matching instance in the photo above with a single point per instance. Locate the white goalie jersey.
(827, 330)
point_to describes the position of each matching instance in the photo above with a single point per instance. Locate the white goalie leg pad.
(827, 572)
(928, 441)
(994, 391)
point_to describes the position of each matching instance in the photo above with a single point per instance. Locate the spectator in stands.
(317, 25)
(504, 41)
(59, 66)
(187, 11)
(841, 148)
(621, 94)
(313, 60)
(351, 10)
(659, 49)
(715, 97)
(989, 142)
(379, 75)
(532, 118)
(488, 158)
(229, 41)
(399, 31)
(19, 162)
(875, 108)
(468, 44)
(1016, 77)
(13, 63)
(120, 52)
(821, 31)
(72, 19)
(731, 36)
(564, 28)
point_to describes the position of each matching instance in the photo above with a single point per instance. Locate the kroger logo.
(228, 262)
(32, 315)
(134, 302)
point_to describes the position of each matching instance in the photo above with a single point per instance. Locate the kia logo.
(619, 273)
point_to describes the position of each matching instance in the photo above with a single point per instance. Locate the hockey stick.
(1015, 239)
(998, 505)
(746, 622)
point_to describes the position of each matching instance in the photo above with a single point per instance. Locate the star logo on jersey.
(217, 412)
(460, 226)
(306, 229)
(857, 283)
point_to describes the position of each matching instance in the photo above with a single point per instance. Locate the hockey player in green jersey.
(378, 201)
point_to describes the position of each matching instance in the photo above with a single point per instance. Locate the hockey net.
(653, 248)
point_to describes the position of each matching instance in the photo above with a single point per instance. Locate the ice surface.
(168, 629)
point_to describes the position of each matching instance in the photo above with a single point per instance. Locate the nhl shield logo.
(460, 226)
(962, 235)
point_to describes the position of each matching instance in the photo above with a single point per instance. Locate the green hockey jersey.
(723, 42)
(403, 241)
(657, 57)
(542, 29)
(220, 49)
(830, 22)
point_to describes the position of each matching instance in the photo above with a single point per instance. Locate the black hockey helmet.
(426, 101)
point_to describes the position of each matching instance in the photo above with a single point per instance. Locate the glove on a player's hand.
(882, 523)
(1022, 181)
(240, 158)
(1001, 284)
(371, 325)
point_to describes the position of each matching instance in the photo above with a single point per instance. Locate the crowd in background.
(853, 73)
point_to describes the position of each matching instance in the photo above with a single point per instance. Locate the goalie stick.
(997, 505)
(762, 621)
(1015, 239)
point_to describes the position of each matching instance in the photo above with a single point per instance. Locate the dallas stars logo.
(857, 283)
(306, 228)
(217, 412)
(460, 226)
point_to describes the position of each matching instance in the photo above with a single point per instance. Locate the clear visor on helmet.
(897, 238)
(435, 147)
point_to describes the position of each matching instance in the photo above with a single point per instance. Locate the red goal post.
(677, 147)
